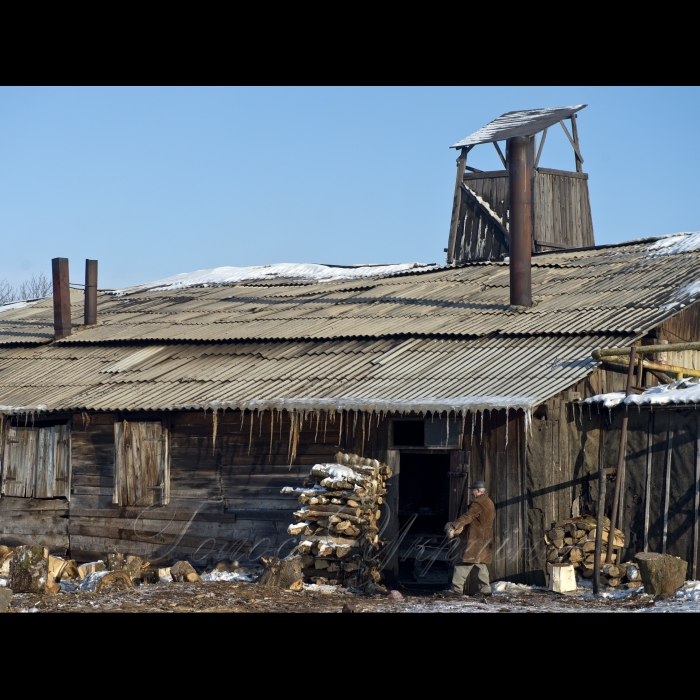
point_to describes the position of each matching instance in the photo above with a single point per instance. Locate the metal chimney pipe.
(520, 202)
(61, 298)
(90, 292)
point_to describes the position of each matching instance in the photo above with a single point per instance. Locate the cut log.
(575, 555)
(282, 573)
(113, 581)
(562, 578)
(613, 581)
(90, 568)
(184, 571)
(5, 599)
(662, 574)
(115, 562)
(132, 567)
(29, 570)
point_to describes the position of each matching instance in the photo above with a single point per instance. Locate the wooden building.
(167, 425)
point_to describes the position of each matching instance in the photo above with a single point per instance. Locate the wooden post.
(619, 478)
(697, 501)
(457, 203)
(599, 525)
(393, 459)
(574, 131)
(667, 490)
(647, 486)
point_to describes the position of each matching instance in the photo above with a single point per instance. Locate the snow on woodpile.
(304, 272)
(682, 391)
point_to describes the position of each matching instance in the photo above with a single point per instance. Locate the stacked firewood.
(573, 542)
(338, 522)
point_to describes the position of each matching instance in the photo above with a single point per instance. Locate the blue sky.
(156, 181)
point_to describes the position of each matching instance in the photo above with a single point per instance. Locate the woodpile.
(573, 542)
(338, 522)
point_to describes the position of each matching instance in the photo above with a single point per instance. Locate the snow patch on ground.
(324, 588)
(88, 583)
(508, 588)
(228, 576)
(307, 272)
(690, 590)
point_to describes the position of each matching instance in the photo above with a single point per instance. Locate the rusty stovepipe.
(520, 231)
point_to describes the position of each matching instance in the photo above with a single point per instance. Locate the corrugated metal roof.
(446, 338)
(621, 289)
(379, 375)
(526, 122)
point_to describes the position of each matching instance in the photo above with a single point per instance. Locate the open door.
(459, 483)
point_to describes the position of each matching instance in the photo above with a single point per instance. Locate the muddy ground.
(224, 597)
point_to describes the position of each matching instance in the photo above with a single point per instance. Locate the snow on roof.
(525, 122)
(17, 305)
(306, 272)
(675, 243)
(682, 391)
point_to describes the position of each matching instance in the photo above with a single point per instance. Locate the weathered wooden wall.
(561, 211)
(500, 466)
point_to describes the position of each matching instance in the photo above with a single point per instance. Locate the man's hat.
(478, 485)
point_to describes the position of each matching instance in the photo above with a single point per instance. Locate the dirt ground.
(220, 597)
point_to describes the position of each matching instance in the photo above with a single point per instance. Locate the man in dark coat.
(476, 544)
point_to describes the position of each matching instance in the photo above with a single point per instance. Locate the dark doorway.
(424, 497)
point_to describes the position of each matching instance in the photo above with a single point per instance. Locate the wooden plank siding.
(561, 211)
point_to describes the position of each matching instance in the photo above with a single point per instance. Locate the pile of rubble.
(573, 542)
(338, 522)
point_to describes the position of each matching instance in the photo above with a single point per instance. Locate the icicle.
(580, 413)
(481, 436)
(472, 421)
(325, 425)
(506, 427)
(318, 418)
(242, 417)
(340, 429)
(362, 449)
(461, 433)
(354, 422)
(250, 434)
(590, 417)
(293, 436)
(447, 420)
(260, 415)
(215, 424)
(272, 429)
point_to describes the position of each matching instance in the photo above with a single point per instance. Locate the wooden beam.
(486, 174)
(667, 490)
(501, 232)
(539, 150)
(474, 170)
(571, 141)
(457, 203)
(563, 173)
(574, 131)
(500, 154)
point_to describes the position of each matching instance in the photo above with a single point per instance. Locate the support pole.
(620, 461)
(520, 161)
(600, 513)
(456, 204)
